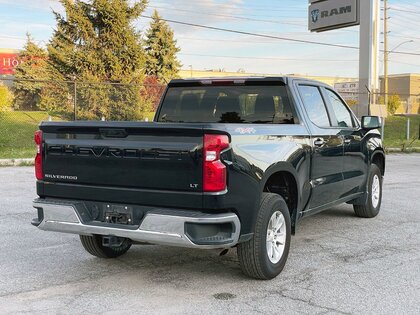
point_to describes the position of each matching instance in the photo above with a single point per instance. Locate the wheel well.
(284, 184)
(379, 160)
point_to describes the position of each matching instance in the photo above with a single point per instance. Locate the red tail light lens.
(214, 171)
(38, 158)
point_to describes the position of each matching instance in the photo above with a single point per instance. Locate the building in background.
(407, 86)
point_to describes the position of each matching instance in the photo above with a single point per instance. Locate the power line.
(302, 41)
(408, 3)
(247, 18)
(253, 34)
(268, 58)
(253, 42)
(231, 16)
(271, 21)
(403, 19)
(265, 42)
(246, 40)
(401, 23)
(406, 11)
(252, 7)
(405, 63)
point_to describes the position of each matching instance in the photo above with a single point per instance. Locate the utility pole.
(386, 53)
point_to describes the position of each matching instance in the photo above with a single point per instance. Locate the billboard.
(328, 15)
(8, 62)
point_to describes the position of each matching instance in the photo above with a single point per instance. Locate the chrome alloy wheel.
(276, 237)
(376, 191)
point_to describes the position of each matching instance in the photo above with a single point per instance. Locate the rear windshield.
(228, 104)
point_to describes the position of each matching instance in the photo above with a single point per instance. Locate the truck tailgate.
(124, 154)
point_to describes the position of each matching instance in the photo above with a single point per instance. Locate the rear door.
(138, 155)
(327, 156)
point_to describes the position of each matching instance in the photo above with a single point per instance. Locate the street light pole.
(386, 60)
(387, 52)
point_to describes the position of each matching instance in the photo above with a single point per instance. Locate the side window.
(314, 105)
(344, 118)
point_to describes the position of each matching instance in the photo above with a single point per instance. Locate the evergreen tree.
(96, 42)
(161, 50)
(33, 66)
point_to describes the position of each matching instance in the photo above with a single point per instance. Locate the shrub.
(6, 98)
(394, 102)
(352, 102)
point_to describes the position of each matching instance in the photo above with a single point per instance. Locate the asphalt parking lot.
(338, 263)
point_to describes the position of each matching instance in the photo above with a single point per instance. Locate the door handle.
(347, 141)
(319, 142)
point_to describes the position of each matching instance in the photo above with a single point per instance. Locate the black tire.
(93, 245)
(369, 210)
(253, 254)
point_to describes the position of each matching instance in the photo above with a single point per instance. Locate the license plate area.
(117, 214)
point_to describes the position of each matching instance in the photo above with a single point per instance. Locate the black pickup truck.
(232, 162)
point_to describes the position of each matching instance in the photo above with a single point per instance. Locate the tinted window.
(341, 111)
(228, 104)
(314, 105)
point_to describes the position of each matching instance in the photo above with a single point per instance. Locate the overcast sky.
(208, 49)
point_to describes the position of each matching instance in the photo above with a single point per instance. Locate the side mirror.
(371, 122)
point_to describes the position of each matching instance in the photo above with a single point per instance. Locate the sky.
(203, 49)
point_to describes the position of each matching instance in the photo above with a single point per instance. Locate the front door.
(354, 159)
(327, 149)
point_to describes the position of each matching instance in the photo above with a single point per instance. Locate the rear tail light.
(214, 171)
(38, 158)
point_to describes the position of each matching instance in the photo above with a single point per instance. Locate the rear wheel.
(93, 245)
(264, 256)
(373, 203)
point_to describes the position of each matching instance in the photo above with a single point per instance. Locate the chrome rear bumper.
(159, 226)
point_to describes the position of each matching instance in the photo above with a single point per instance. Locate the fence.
(73, 100)
(25, 103)
(407, 104)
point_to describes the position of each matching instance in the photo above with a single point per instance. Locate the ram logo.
(339, 11)
(315, 15)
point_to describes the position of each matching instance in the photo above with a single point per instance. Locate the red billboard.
(8, 63)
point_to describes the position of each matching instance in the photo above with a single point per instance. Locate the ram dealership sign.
(325, 15)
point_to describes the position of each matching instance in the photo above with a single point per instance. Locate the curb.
(17, 162)
(399, 150)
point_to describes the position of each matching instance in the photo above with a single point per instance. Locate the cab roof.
(238, 80)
